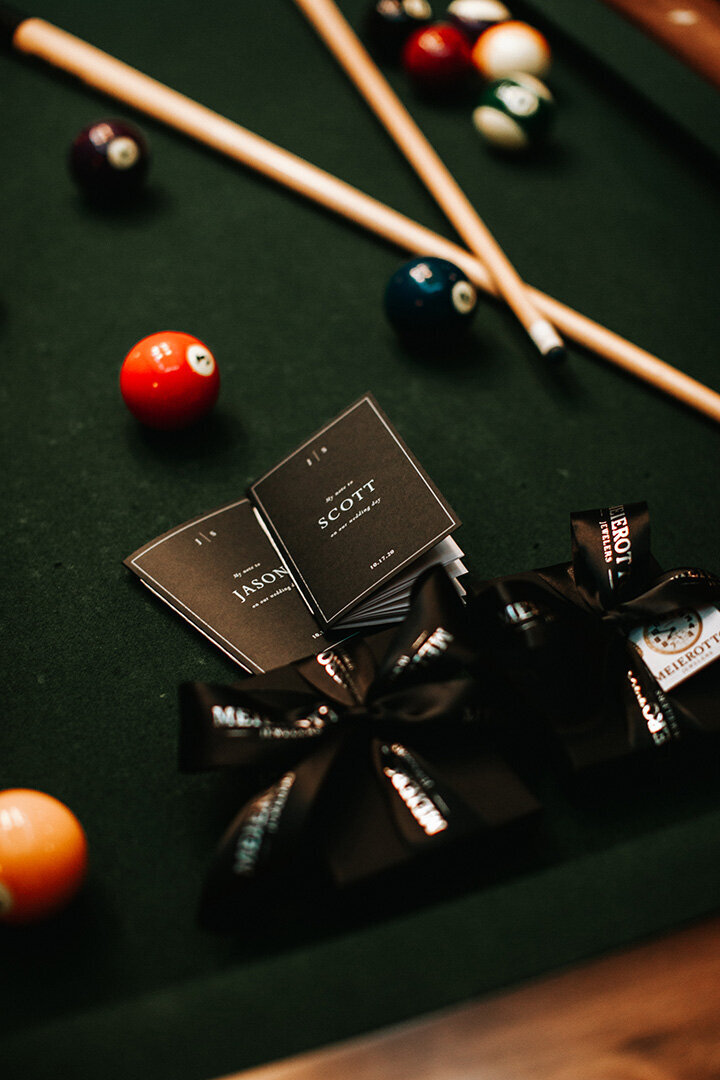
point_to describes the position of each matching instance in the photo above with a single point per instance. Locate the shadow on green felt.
(463, 358)
(214, 436)
(57, 944)
(141, 207)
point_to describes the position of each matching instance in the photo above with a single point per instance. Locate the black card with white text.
(222, 574)
(351, 510)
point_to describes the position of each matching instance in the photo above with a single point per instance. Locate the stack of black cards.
(329, 542)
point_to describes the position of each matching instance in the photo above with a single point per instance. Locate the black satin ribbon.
(360, 751)
(562, 633)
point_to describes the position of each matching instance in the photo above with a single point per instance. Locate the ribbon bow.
(364, 750)
(571, 636)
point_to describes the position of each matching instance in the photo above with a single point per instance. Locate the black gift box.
(563, 640)
(372, 760)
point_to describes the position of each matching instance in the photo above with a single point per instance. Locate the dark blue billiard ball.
(430, 300)
(389, 23)
(109, 160)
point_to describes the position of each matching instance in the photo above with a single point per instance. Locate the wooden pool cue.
(35, 37)
(352, 56)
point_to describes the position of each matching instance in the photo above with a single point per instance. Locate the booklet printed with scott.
(328, 542)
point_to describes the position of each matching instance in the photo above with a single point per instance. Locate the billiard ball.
(515, 112)
(109, 160)
(437, 58)
(475, 16)
(169, 380)
(510, 47)
(430, 300)
(389, 24)
(43, 855)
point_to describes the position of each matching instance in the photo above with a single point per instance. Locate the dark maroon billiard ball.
(437, 58)
(109, 160)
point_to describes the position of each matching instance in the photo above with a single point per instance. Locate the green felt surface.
(618, 218)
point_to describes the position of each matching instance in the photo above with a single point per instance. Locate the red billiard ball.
(169, 380)
(437, 58)
(43, 855)
(109, 160)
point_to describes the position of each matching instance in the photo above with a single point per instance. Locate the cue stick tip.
(557, 354)
(546, 339)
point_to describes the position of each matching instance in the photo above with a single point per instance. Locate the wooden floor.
(650, 1013)
(690, 29)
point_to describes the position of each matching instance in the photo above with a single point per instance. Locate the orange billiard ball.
(169, 380)
(43, 855)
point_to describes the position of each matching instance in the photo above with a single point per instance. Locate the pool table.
(617, 217)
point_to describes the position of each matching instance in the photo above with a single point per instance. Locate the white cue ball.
(509, 47)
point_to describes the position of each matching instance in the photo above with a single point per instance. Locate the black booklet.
(328, 542)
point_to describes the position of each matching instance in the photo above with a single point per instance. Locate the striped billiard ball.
(515, 113)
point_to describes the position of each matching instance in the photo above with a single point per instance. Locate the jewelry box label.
(676, 646)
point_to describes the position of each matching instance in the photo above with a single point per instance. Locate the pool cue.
(35, 37)
(350, 53)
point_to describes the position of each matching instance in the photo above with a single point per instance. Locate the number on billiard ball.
(515, 112)
(389, 23)
(43, 855)
(169, 380)
(430, 301)
(109, 160)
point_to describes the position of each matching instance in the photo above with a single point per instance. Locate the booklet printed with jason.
(222, 574)
(329, 541)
